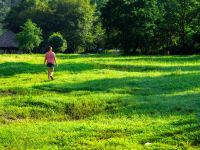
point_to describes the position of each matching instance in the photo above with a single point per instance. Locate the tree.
(4, 8)
(36, 10)
(99, 5)
(178, 25)
(74, 19)
(57, 41)
(130, 23)
(30, 36)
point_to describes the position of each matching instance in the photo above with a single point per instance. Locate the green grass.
(100, 102)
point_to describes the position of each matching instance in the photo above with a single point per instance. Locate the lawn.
(100, 102)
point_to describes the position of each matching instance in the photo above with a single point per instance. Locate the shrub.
(57, 41)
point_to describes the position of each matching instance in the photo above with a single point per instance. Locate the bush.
(57, 41)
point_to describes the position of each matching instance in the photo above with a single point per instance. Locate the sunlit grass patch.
(100, 102)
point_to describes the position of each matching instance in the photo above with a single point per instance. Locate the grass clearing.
(100, 102)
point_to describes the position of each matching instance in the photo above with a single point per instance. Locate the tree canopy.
(149, 25)
(57, 41)
(134, 26)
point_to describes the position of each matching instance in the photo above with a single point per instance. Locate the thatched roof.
(8, 39)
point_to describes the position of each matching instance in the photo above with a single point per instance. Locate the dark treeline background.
(133, 26)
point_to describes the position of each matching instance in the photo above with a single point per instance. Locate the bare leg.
(49, 73)
(52, 69)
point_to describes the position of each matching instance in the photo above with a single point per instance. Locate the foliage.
(99, 4)
(178, 24)
(57, 41)
(130, 23)
(136, 26)
(36, 10)
(4, 8)
(30, 36)
(152, 25)
(74, 19)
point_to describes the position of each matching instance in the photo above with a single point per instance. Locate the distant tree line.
(75, 20)
(153, 26)
(133, 26)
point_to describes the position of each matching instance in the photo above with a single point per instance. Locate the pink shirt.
(50, 57)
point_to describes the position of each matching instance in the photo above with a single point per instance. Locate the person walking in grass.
(50, 60)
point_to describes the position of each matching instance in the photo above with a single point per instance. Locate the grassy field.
(100, 102)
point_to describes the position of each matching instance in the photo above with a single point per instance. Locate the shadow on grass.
(135, 58)
(78, 56)
(13, 68)
(9, 69)
(142, 95)
(155, 96)
(145, 85)
(178, 59)
(147, 68)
